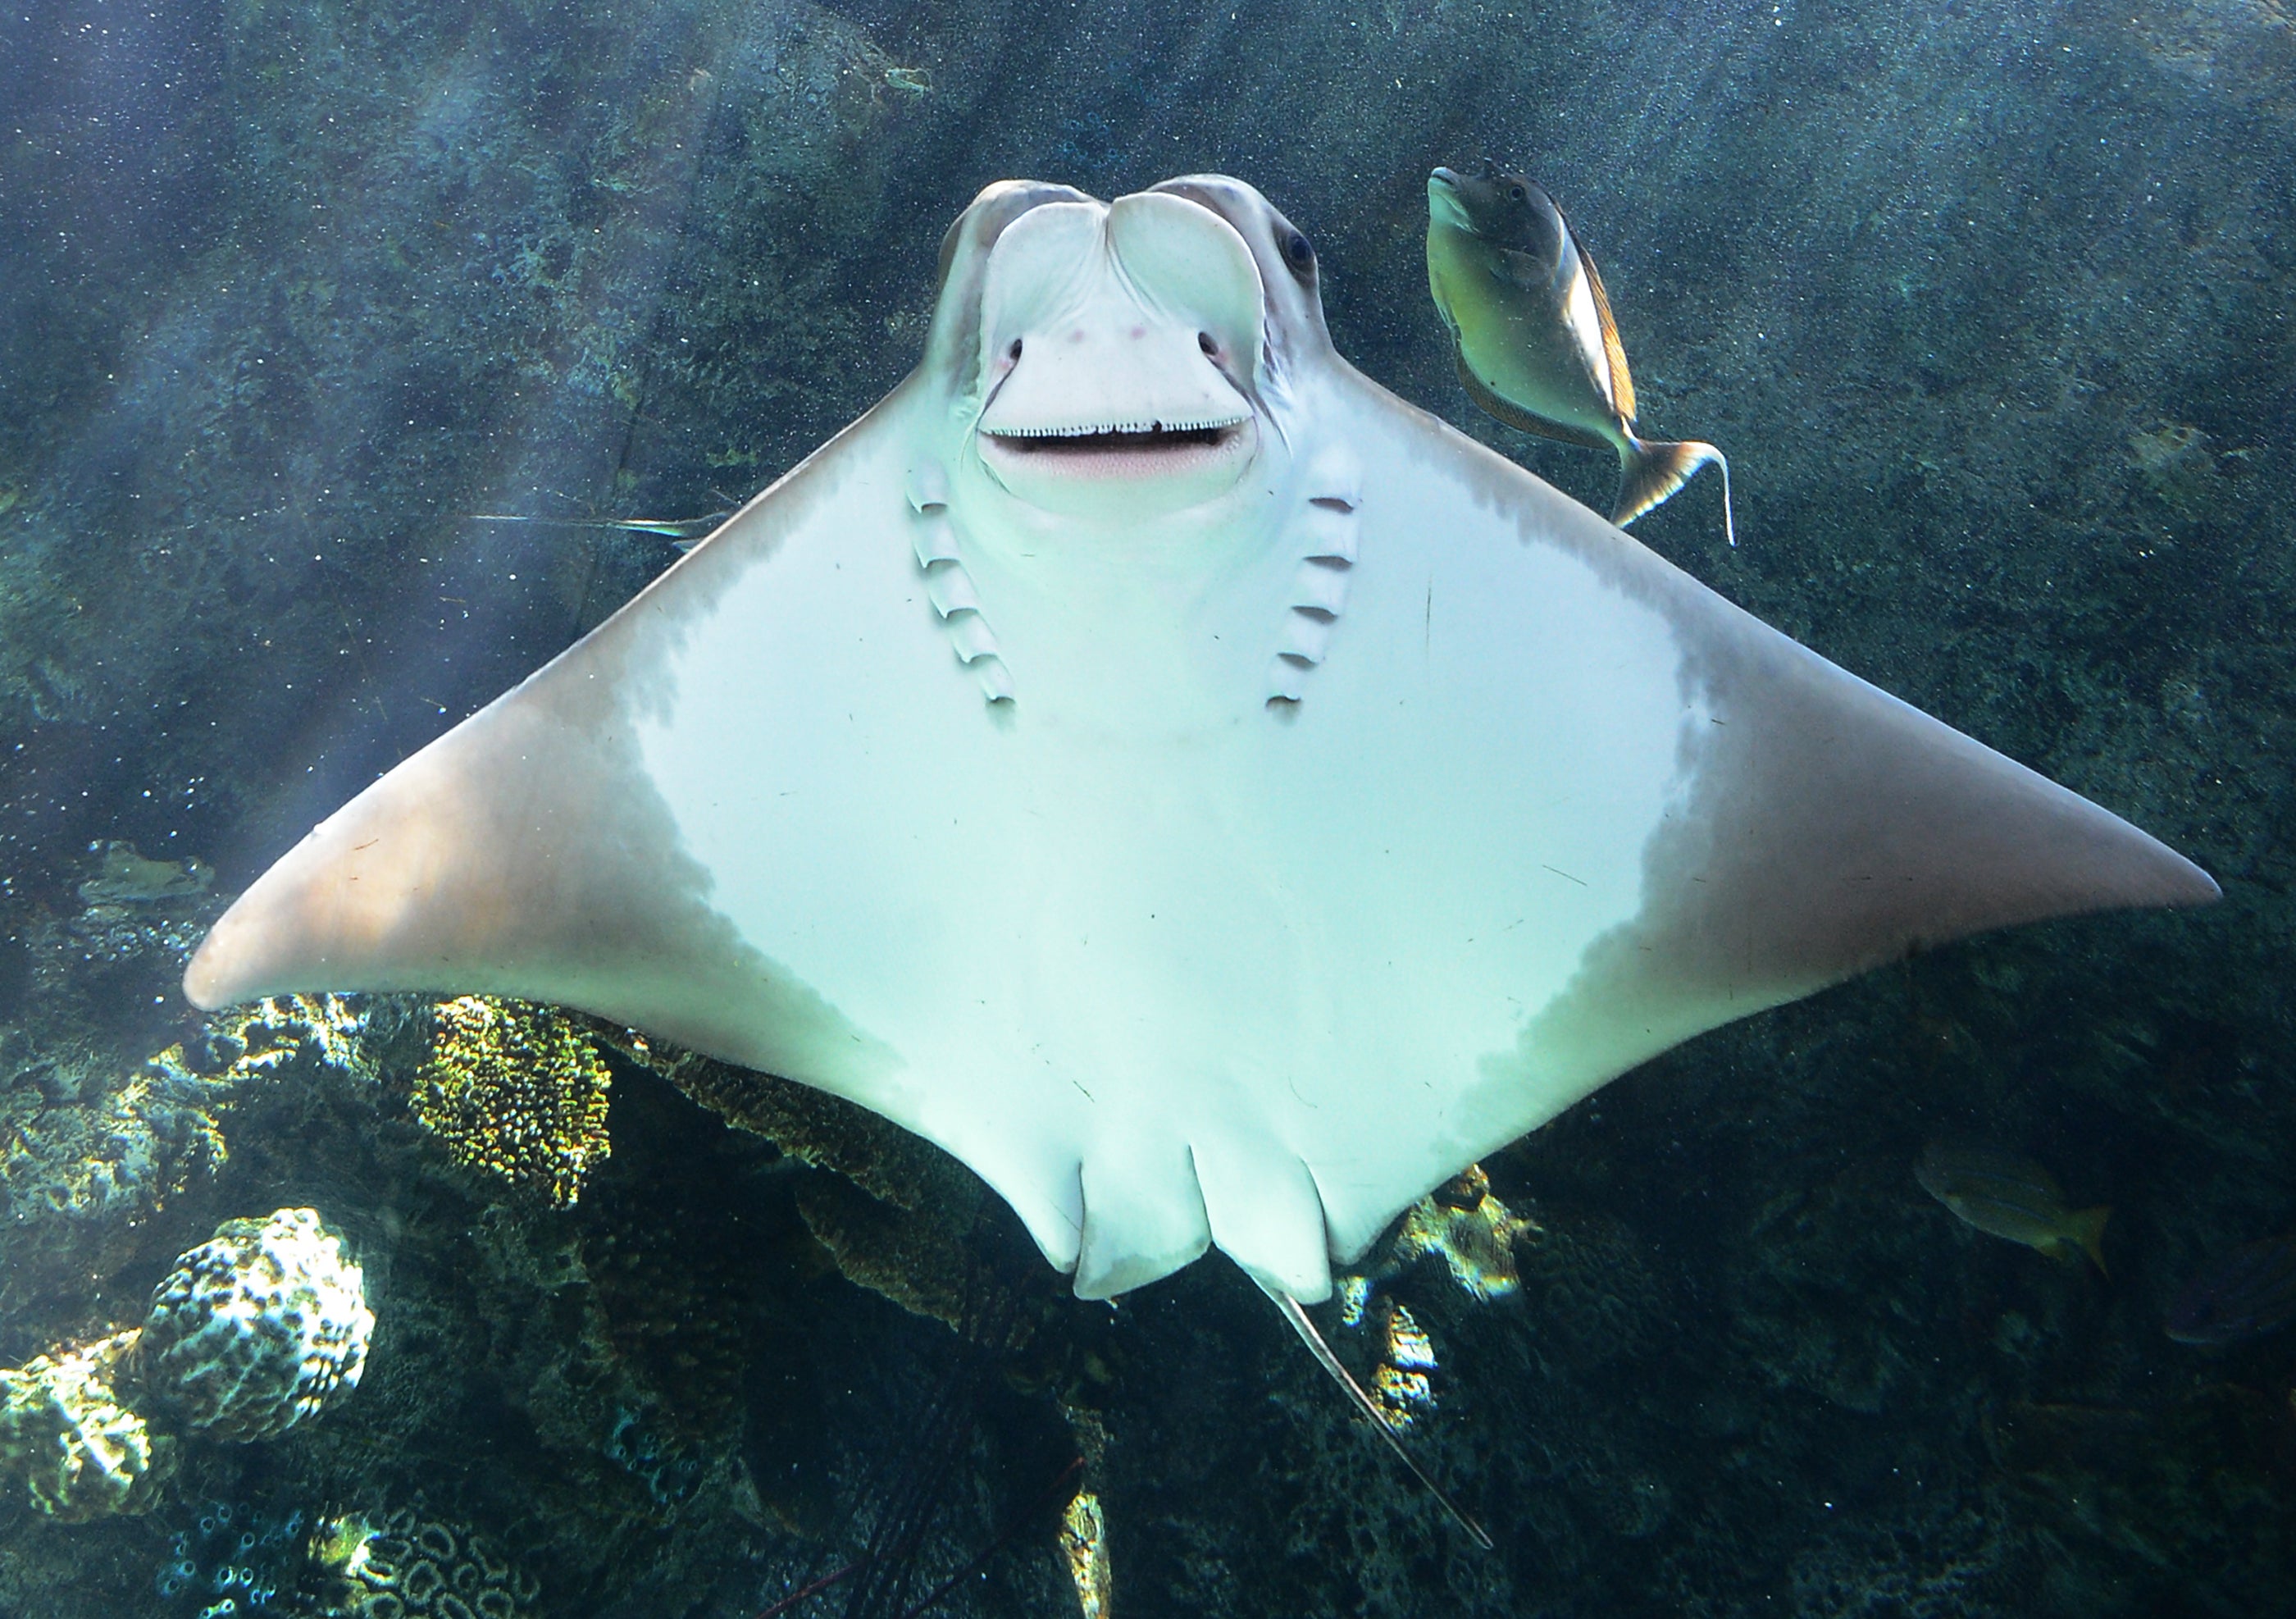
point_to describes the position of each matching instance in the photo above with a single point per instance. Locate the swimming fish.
(2004, 1194)
(2248, 1292)
(684, 532)
(1212, 799)
(1532, 334)
(126, 877)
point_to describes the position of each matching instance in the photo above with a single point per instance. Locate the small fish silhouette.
(2248, 1292)
(2006, 1196)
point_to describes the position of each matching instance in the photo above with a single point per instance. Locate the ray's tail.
(1652, 469)
(1297, 1314)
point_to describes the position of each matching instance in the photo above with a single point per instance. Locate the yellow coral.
(1474, 1231)
(517, 1091)
(81, 1452)
(1084, 1542)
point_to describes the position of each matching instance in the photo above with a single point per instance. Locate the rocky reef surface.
(1990, 305)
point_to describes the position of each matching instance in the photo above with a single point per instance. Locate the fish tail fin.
(2087, 1229)
(1650, 470)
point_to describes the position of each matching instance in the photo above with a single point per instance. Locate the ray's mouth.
(1157, 461)
(1122, 438)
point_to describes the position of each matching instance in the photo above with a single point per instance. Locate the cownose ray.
(1214, 800)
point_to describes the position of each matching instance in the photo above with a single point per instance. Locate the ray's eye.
(1518, 194)
(1013, 353)
(1298, 253)
(1204, 342)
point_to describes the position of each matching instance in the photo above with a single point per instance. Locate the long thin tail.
(1296, 1313)
(684, 532)
(1652, 469)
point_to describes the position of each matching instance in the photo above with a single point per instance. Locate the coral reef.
(916, 1259)
(517, 1092)
(1403, 1384)
(89, 1154)
(409, 1563)
(1084, 1543)
(66, 1432)
(894, 1211)
(256, 1328)
(667, 1468)
(1464, 1224)
(124, 878)
(815, 1128)
(672, 1295)
(1591, 1288)
(234, 1559)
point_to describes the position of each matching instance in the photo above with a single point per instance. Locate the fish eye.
(1518, 193)
(1013, 353)
(1204, 342)
(1298, 253)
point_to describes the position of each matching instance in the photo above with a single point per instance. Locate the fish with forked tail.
(2004, 1194)
(1531, 331)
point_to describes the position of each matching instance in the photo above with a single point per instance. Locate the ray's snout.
(1120, 347)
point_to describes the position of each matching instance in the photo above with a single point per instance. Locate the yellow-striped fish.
(2005, 1195)
(1531, 329)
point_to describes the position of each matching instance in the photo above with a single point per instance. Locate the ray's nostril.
(1013, 353)
(1204, 342)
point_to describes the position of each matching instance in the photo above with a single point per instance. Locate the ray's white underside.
(1159, 994)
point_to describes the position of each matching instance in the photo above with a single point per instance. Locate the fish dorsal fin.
(1514, 415)
(1614, 352)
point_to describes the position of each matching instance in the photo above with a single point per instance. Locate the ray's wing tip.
(2153, 876)
(2187, 886)
(225, 970)
(207, 981)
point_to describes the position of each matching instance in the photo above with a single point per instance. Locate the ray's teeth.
(1100, 430)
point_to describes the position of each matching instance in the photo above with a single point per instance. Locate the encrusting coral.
(516, 1090)
(1464, 1223)
(256, 1328)
(404, 1563)
(66, 1431)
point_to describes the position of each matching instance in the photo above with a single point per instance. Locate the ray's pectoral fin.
(525, 852)
(1833, 828)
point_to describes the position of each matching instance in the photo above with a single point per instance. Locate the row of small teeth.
(1206, 425)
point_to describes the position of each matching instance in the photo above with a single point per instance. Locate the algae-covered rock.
(65, 1431)
(816, 1128)
(517, 1091)
(895, 1211)
(257, 1328)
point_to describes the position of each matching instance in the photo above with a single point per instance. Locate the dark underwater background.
(1990, 304)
